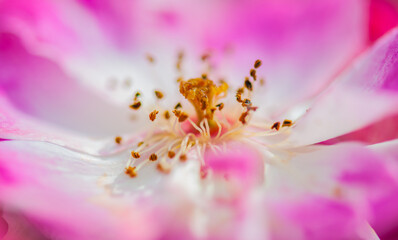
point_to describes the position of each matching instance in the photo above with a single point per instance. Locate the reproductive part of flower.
(179, 131)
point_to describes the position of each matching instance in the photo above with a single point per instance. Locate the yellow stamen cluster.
(202, 92)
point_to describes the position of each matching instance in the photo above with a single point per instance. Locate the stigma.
(181, 132)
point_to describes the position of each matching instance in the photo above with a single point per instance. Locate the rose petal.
(366, 93)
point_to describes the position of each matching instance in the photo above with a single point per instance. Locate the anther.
(257, 63)
(220, 106)
(183, 158)
(167, 114)
(205, 57)
(171, 154)
(178, 105)
(177, 113)
(287, 123)
(161, 168)
(276, 126)
(137, 95)
(153, 157)
(183, 116)
(131, 171)
(118, 139)
(140, 143)
(204, 76)
(152, 115)
(150, 58)
(159, 94)
(136, 105)
(253, 74)
(242, 117)
(248, 85)
(135, 154)
(247, 103)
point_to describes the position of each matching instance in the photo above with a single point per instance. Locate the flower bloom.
(215, 120)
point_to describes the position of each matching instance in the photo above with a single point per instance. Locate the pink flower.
(297, 150)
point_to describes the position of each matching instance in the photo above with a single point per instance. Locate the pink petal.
(383, 17)
(42, 91)
(365, 94)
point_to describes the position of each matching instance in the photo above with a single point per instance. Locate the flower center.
(178, 133)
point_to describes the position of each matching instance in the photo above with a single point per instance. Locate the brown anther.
(213, 109)
(287, 123)
(131, 171)
(220, 106)
(118, 139)
(179, 79)
(177, 113)
(152, 115)
(253, 74)
(140, 143)
(205, 57)
(167, 114)
(248, 85)
(178, 105)
(137, 95)
(171, 154)
(136, 105)
(239, 94)
(153, 157)
(246, 103)
(257, 63)
(150, 58)
(243, 116)
(159, 94)
(135, 154)
(183, 158)
(183, 116)
(162, 168)
(262, 81)
(204, 76)
(276, 126)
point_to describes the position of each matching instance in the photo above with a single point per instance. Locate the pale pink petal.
(65, 194)
(346, 181)
(365, 94)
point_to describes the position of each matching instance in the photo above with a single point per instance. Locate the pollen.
(167, 114)
(253, 73)
(183, 116)
(248, 84)
(183, 158)
(202, 93)
(152, 115)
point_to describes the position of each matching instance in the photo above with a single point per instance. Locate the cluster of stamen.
(178, 133)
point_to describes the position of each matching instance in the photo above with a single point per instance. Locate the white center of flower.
(178, 133)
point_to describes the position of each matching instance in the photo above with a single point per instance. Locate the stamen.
(135, 154)
(183, 116)
(220, 106)
(171, 154)
(167, 114)
(253, 74)
(150, 58)
(178, 105)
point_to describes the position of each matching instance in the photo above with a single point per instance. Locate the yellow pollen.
(159, 94)
(152, 115)
(135, 154)
(118, 139)
(202, 93)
